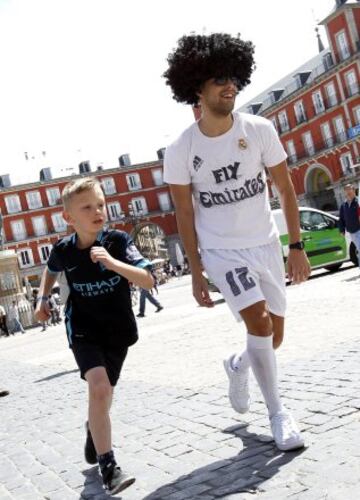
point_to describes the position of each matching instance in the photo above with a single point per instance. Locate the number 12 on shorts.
(241, 276)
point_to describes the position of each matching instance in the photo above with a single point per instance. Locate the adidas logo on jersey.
(197, 162)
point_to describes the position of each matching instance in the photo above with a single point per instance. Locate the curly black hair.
(198, 58)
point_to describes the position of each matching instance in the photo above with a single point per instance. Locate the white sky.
(81, 79)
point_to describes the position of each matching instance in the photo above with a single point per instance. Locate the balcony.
(301, 118)
(304, 152)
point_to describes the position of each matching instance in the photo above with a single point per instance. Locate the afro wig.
(199, 58)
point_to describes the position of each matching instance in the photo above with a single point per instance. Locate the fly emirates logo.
(97, 287)
(248, 189)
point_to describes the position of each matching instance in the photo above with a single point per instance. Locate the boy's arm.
(298, 264)
(42, 310)
(137, 275)
(182, 197)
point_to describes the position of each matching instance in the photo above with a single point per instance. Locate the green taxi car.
(325, 246)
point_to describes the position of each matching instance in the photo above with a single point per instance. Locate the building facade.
(137, 201)
(316, 111)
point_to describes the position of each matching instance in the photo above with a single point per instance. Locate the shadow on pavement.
(56, 375)
(354, 278)
(258, 461)
(93, 487)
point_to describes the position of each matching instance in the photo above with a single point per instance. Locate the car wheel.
(333, 268)
(353, 254)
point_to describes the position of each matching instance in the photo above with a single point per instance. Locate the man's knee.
(100, 392)
(258, 320)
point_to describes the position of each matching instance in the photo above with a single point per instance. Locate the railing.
(304, 152)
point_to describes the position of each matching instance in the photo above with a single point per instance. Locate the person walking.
(146, 294)
(14, 318)
(100, 323)
(349, 219)
(217, 177)
(3, 324)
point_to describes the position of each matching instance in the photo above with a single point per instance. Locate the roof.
(309, 71)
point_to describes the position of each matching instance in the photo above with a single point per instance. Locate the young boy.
(100, 323)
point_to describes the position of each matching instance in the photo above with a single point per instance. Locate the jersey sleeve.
(273, 151)
(176, 170)
(54, 263)
(134, 257)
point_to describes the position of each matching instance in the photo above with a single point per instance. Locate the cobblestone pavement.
(172, 424)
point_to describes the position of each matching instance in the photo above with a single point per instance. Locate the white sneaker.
(286, 433)
(238, 386)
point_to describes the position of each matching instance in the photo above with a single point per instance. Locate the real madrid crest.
(242, 144)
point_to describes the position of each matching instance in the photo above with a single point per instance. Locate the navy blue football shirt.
(99, 307)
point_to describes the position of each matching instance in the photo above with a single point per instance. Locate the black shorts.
(90, 355)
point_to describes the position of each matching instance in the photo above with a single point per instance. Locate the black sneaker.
(160, 308)
(116, 480)
(140, 315)
(89, 449)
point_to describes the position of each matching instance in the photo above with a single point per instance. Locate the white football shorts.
(248, 275)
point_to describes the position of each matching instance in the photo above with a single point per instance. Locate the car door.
(323, 242)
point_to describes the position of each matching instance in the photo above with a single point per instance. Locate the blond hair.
(78, 186)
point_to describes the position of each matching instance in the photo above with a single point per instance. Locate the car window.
(314, 221)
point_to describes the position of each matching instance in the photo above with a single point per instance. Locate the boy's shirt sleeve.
(54, 263)
(133, 256)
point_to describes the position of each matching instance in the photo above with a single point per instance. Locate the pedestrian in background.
(3, 324)
(146, 294)
(350, 217)
(14, 318)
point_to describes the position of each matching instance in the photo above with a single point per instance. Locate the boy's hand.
(42, 311)
(99, 254)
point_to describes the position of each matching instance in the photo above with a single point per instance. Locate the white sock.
(263, 363)
(241, 361)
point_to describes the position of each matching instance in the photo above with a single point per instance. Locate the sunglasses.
(223, 80)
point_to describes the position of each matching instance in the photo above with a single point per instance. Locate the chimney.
(124, 161)
(84, 167)
(45, 174)
(5, 181)
(161, 153)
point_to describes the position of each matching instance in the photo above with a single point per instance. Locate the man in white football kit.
(216, 172)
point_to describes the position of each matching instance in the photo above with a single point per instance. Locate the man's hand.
(201, 291)
(99, 254)
(42, 310)
(298, 266)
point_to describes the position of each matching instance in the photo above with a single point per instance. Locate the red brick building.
(316, 110)
(137, 201)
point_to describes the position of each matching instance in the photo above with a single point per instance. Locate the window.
(13, 204)
(157, 176)
(139, 205)
(283, 120)
(39, 225)
(340, 129)
(346, 163)
(318, 102)
(327, 135)
(275, 123)
(25, 257)
(290, 146)
(108, 185)
(133, 181)
(352, 86)
(58, 222)
(331, 94)
(44, 252)
(314, 221)
(308, 143)
(33, 199)
(299, 112)
(114, 210)
(357, 115)
(164, 201)
(342, 45)
(18, 229)
(53, 196)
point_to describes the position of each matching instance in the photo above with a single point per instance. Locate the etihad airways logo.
(97, 287)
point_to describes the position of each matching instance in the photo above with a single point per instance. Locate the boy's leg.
(142, 303)
(100, 398)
